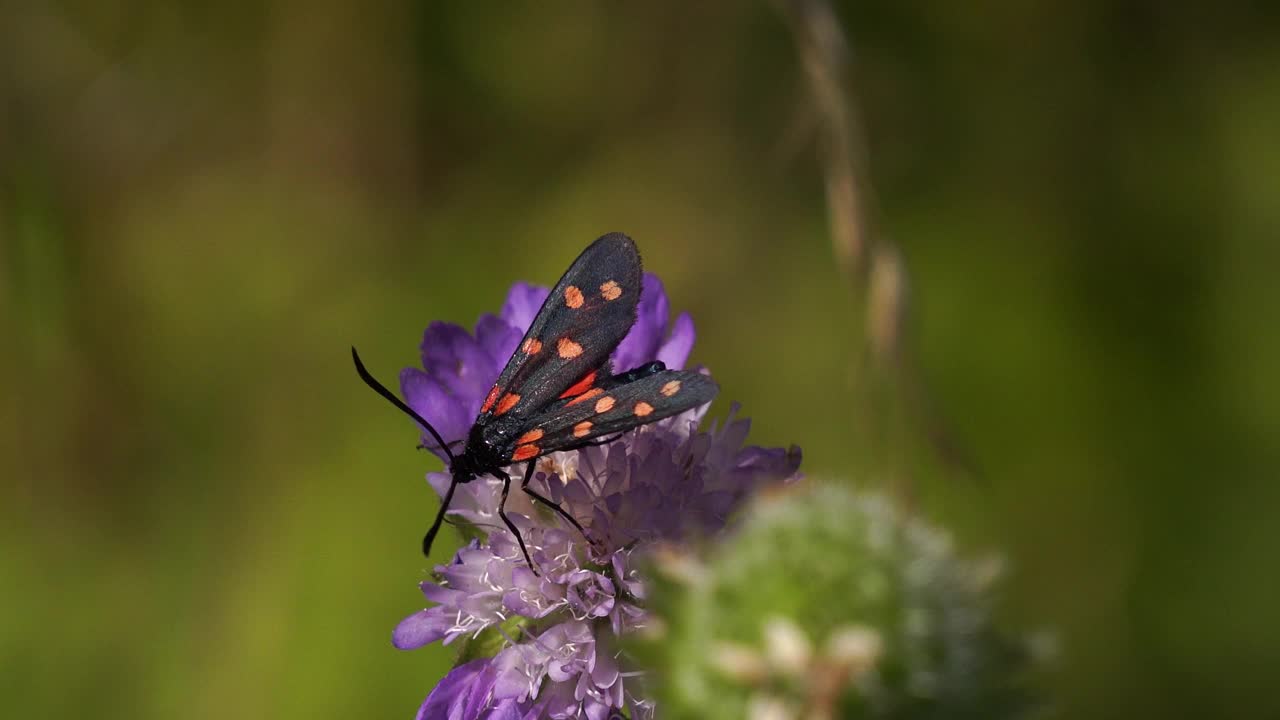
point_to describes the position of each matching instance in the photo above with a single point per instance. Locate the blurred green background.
(205, 514)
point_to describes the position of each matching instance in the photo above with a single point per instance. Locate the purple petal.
(441, 595)
(515, 666)
(558, 671)
(442, 345)
(595, 710)
(439, 481)
(675, 351)
(562, 704)
(605, 673)
(641, 343)
(526, 597)
(523, 302)
(453, 358)
(499, 339)
(460, 695)
(754, 464)
(507, 710)
(437, 406)
(481, 694)
(420, 628)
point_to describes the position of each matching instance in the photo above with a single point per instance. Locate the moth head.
(462, 469)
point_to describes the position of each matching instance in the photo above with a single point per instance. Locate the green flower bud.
(825, 603)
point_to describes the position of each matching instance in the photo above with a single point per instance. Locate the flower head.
(903, 626)
(557, 628)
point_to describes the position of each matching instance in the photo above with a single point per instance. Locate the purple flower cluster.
(662, 481)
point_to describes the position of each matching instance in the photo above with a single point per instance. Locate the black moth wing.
(583, 319)
(611, 409)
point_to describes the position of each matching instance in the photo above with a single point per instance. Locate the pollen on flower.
(550, 465)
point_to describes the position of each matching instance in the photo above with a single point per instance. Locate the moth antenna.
(430, 537)
(391, 397)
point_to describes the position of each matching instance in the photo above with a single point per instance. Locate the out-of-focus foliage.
(204, 513)
(826, 604)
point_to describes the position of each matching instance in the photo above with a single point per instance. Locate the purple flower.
(467, 692)
(665, 481)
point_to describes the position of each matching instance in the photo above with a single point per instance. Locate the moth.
(558, 391)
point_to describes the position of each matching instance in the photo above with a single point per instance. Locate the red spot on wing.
(524, 452)
(507, 402)
(531, 346)
(643, 408)
(581, 386)
(531, 436)
(489, 400)
(568, 348)
(584, 396)
(573, 297)
(582, 428)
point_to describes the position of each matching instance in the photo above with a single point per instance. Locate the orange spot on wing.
(573, 297)
(670, 388)
(584, 396)
(524, 452)
(581, 386)
(604, 404)
(489, 400)
(531, 436)
(507, 402)
(531, 346)
(582, 428)
(643, 408)
(568, 348)
(610, 290)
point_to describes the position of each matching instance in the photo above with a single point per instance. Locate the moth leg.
(502, 513)
(524, 485)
